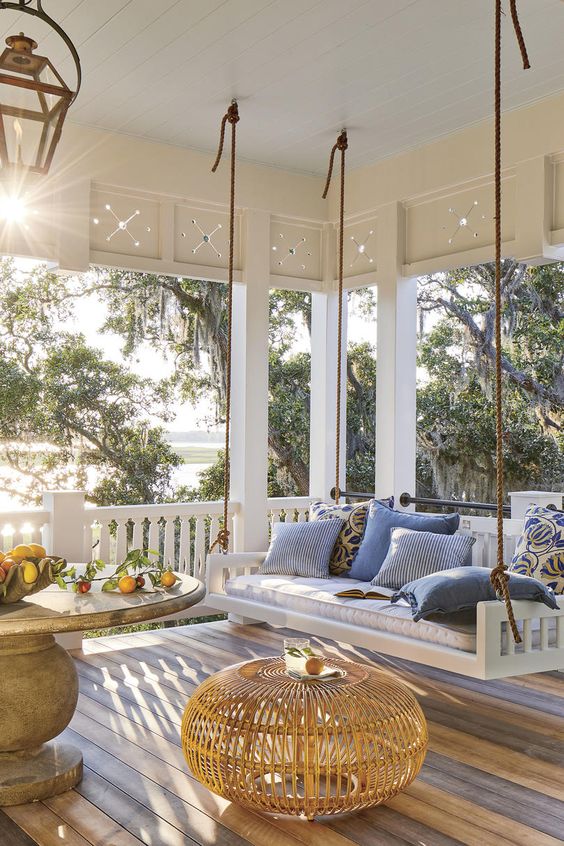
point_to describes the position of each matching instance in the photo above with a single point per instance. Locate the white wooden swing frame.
(496, 654)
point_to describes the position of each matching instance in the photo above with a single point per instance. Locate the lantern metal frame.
(35, 8)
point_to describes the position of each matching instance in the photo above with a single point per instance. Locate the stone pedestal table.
(39, 682)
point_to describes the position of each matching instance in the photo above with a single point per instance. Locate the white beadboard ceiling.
(396, 73)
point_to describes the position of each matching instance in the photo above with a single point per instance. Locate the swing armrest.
(221, 567)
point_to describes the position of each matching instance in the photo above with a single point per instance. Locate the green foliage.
(66, 409)
(210, 487)
(181, 319)
(456, 414)
(361, 415)
(95, 420)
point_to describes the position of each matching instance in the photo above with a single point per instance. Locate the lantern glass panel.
(33, 104)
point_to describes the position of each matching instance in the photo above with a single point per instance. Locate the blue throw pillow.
(350, 537)
(413, 555)
(463, 587)
(302, 549)
(378, 534)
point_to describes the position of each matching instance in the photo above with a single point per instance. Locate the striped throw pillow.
(302, 549)
(413, 555)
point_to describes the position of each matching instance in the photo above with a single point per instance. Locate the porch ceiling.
(397, 73)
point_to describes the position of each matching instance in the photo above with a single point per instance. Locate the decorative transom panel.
(468, 221)
(124, 224)
(457, 223)
(201, 236)
(359, 248)
(295, 250)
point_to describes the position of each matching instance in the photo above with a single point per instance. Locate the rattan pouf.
(254, 735)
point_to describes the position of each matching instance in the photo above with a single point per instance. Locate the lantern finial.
(21, 44)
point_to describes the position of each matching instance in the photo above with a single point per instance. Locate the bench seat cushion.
(316, 597)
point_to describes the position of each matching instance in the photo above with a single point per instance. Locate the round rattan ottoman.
(254, 735)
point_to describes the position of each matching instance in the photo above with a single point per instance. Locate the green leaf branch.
(146, 564)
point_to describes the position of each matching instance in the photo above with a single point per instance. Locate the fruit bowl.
(15, 587)
(27, 569)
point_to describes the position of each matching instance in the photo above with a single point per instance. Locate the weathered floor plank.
(493, 774)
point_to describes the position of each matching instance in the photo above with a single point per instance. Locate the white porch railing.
(180, 532)
(289, 509)
(25, 526)
(484, 530)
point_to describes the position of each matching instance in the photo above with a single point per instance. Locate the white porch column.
(396, 387)
(396, 375)
(249, 395)
(324, 315)
(65, 530)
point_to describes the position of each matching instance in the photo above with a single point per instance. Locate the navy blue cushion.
(378, 534)
(461, 588)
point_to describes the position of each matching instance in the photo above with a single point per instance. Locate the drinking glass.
(293, 655)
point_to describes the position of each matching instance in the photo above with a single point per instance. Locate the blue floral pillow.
(540, 549)
(350, 536)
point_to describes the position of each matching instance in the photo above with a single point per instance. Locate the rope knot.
(342, 144)
(231, 116)
(222, 540)
(233, 112)
(499, 579)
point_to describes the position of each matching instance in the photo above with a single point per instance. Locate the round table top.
(53, 610)
(272, 672)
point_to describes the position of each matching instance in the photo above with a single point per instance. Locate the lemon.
(37, 550)
(21, 551)
(30, 572)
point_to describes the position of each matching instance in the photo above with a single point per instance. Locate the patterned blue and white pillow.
(540, 549)
(302, 549)
(350, 537)
(413, 555)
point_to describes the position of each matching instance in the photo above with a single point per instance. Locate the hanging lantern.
(34, 99)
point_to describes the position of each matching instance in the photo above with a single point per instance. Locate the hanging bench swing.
(509, 638)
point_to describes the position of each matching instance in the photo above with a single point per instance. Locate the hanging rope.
(231, 116)
(342, 145)
(499, 576)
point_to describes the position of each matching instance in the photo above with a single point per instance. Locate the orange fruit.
(127, 584)
(168, 579)
(38, 550)
(314, 665)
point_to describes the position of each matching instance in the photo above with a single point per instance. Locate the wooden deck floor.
(493, 774)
